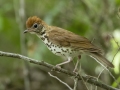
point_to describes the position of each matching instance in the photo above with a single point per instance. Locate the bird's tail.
(101, 59)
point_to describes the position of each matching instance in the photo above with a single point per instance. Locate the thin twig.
(115, 55)
(109, 74)
(89, 80)
(115, 41)
(79, 69)
(60, 80)
(76, 69)
(112, 61)
(93, 40)
(75, 83)
(117, 45)
(99, 76)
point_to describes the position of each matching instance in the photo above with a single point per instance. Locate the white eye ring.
(35, 25)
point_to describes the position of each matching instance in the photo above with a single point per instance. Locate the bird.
(65, 43)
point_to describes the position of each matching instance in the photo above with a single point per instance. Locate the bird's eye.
(35, 25)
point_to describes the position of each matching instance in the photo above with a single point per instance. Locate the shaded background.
(97, 20)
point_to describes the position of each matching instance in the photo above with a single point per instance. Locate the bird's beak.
(26, 31)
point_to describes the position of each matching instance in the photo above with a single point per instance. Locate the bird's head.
(34, 25)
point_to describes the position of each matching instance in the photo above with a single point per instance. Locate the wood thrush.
(63, 42)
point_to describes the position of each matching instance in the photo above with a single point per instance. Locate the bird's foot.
(76, 74)
(57, 66)
(75, 70)
(88, 76)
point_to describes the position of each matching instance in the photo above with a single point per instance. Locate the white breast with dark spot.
(56, 49)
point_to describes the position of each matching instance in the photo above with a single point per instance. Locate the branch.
(75, 83)
(87, 79)
(60, 80)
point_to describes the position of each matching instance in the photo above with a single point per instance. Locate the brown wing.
(66, 38)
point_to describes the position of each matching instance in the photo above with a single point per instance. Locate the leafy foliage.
(94, 19)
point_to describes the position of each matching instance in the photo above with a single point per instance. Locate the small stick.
(60, 80)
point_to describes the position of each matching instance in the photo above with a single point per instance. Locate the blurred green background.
(97, 20)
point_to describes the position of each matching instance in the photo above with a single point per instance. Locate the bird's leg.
(78, 60)
(58, 65)
(69, 60)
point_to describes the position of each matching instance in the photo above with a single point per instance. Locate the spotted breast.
(57, 49)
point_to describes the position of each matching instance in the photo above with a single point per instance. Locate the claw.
(75, 70)
(57, 66)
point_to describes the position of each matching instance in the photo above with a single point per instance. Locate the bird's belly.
(62, 51)
(59, 50)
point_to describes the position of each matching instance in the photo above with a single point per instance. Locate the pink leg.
(75, 69)
(69, 60)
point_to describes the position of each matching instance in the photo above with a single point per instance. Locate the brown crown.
(32, 20)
